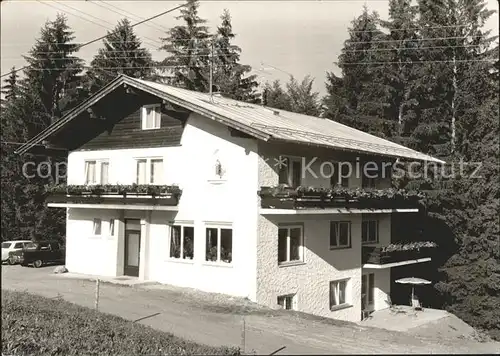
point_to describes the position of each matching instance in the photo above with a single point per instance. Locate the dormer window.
(151, 117)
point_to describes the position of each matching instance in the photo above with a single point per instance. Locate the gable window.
(290, 244)
(149, 171)
(151, 117)
(96, 229)
(96, 172)
(290, 171)
(340, 234)
(340, 176)
(182, 242)
(219, 244)
(287, 302)
(338, 293)
(369, 231)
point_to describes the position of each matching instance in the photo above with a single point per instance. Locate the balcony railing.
(282, 197)
(397, 253)
(166, 195)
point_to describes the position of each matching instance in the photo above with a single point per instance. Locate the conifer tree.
(188, 46)
(402, 48)
(9, 89)
(231, 77)
(53, 71)
(359, 97)
(122, 53)
(302, 98)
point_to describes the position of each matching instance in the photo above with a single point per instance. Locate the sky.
(278, 38)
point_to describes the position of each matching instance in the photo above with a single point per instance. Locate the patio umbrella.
(413, 281)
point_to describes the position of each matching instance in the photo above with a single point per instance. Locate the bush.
(36, 325)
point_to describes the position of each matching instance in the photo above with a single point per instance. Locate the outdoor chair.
(393, 307)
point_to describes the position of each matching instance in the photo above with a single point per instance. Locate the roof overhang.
(124, 80)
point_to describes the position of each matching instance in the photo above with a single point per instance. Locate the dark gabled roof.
(255, 120)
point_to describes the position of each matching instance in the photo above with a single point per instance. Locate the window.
(151, 117)
(44, 246)
(340, 174)
(182, 242)
(287, 302)
(219, 244)
(96, 172)
(370, 175)
(340, 234)
(338, 293)
(97, 227)
(112, 227)
(289, 244)
(367, 290)
(150, 171)
(19, 245)
(290, 171)
(369, 231)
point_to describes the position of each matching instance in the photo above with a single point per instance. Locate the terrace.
(397, 254)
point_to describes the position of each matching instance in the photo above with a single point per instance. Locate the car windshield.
(31, 246)
(5, 244)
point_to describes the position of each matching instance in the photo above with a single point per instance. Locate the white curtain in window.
(90, 173)
(104, 172)
(141, 171)
(149, 118)
(156, 171)
(157, 117)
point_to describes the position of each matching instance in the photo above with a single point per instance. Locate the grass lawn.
(36, 325)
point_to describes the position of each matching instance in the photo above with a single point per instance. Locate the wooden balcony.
(113, 195)
(384, 257)
(323, 198)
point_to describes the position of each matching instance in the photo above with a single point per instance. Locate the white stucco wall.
(85, 252)
(206, 199)
(310, 280)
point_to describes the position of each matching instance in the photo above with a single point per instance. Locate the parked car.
(12, 246)
(40, 253)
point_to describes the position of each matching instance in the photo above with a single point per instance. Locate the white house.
(216, 232)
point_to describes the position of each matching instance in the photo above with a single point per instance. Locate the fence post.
(243, 341)
(97, 294)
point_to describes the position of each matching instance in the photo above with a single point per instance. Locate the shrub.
(36, 325)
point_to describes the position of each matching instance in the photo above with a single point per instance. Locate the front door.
(132, 247)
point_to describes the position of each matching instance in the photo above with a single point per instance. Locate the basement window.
(287, 302)
(151, 117)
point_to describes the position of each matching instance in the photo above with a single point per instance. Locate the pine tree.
(41, 97)
(298, 97)
(122, 53)
(401, 46)
(361, 96)
(189, 49)
(53, 71)
(229, 75)
(302, 98)
(9, 89)
(275, 97)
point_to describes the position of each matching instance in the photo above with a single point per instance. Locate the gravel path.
(218, 320)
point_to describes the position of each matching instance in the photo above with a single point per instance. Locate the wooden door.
(132, 247)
